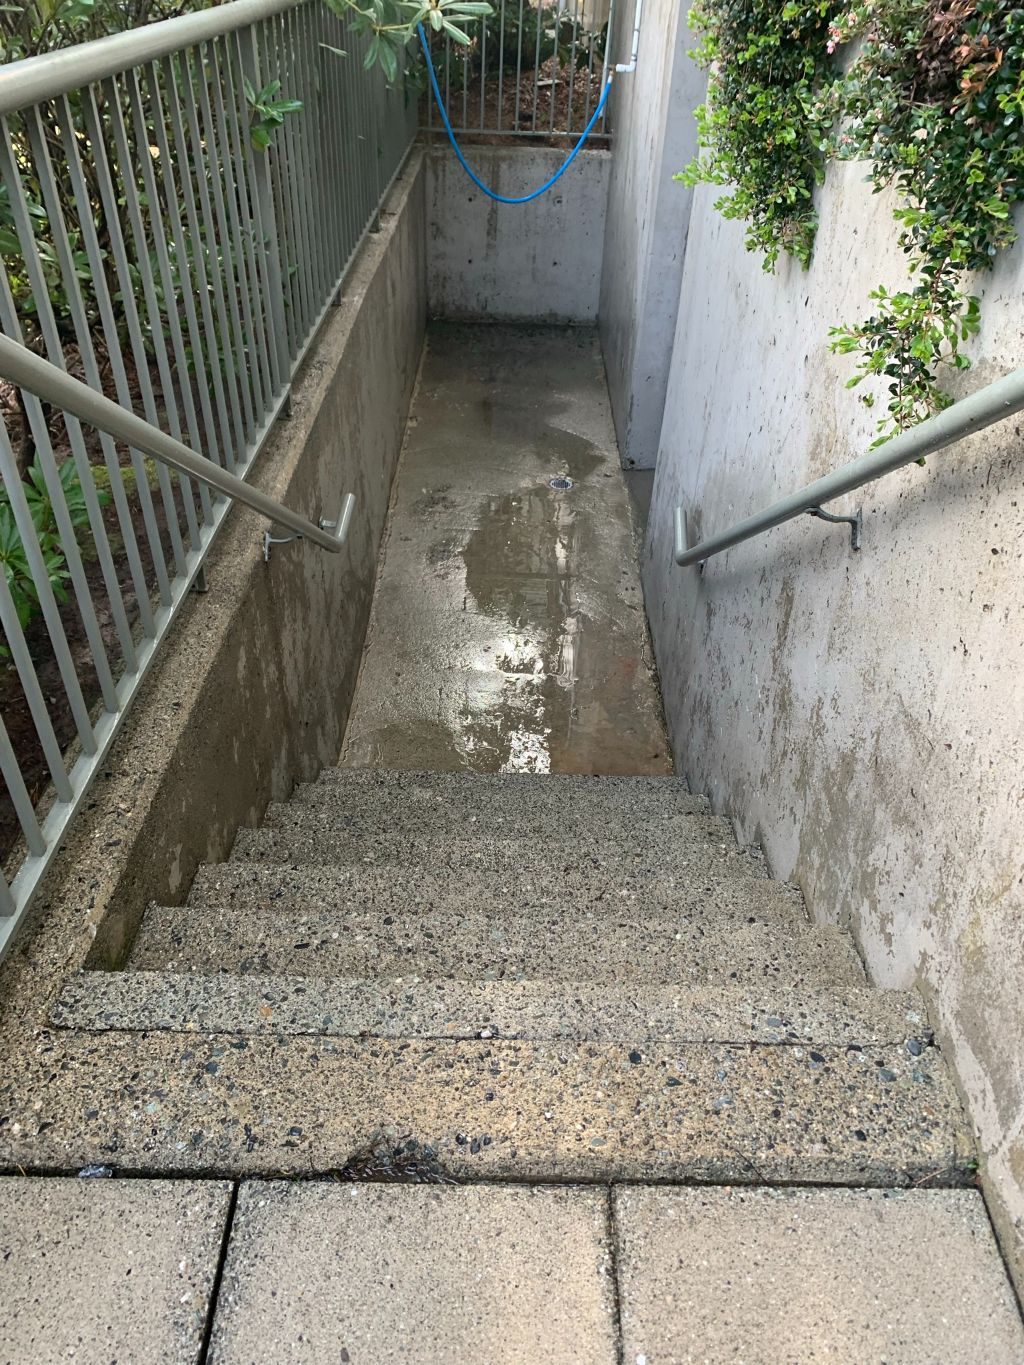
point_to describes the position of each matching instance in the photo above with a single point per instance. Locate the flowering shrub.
(934, 100)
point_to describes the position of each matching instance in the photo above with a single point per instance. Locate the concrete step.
(540, 1011)
(546, 824)
(491, 1109)
(407, 892)
(540, 943)
(302, 843)
(540, 806)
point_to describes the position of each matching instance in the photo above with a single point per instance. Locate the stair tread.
(553, 823)
(497, 1109)
(540, 805)
(448, 1008)
(406, 890)
(520, 942)
(298, 843)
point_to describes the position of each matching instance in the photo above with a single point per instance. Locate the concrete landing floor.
(508, 631)
(317, 1273)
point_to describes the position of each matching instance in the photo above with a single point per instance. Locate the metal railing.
(533, 69)
(982, 409)
(175, 240)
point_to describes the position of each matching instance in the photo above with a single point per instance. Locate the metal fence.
(533, 69)
(173, 231)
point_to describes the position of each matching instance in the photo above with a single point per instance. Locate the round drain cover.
(560, 483)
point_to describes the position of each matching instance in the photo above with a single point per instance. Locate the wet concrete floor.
(508, 631)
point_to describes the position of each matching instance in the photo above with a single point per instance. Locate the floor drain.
(560, 483)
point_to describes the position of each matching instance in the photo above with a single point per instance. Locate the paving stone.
(471, 944)
(100, 1270)
(776, 1276)
(417, 1274)
(535, 1010)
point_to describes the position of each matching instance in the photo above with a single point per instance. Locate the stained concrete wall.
(861, 714)
(539, 262)
(646, 225)
(252, 691)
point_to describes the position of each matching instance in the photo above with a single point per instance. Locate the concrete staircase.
(573, 977)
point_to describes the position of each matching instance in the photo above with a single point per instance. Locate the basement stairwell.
(549, 1032)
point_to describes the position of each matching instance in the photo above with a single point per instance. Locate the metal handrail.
(58, 73)
(991, 404)
(31, 372)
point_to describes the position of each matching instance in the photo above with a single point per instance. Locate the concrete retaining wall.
(646, 225)
(253, 689)
(860, 714)
(539, 262)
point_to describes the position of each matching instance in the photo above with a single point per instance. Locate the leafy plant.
(266, 112)
(12, 550)
(933, 99)
(392, 24)
(758, 131)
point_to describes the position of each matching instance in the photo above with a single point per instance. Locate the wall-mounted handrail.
(57, 73)
(991, 404)
(31, 372)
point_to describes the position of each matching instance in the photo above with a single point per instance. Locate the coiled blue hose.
(492, 194)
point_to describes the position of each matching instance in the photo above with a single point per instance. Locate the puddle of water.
(508, 632)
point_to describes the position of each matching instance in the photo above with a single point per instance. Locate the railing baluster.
(266, 220)
(110, 330)
(8, 907)
(229, 268)
(44, 457)
(22, 660)
(72, 291)
(229, 413)
(241, 243)
(239, 151)
(602, 126)
(205, 231)
(127, 286)
(43, 589)
(299, 172)
(572, 72)
(155, 314)
(18, 792)
(206, 372)
(171, 292)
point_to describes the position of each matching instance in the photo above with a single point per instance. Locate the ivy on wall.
(932, 99)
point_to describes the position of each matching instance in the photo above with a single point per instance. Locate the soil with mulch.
(553, 110)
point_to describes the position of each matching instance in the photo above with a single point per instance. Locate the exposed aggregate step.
(407, 892)
(479, 945)
(300, 844)
(510, 1110)
(450, 1008)
(563, 827)
(522, 804)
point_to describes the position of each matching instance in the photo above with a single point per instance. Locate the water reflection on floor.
(507, 631)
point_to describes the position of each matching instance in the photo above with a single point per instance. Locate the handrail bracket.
(855, 523)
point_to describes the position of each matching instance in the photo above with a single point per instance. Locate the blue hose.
(492, 194)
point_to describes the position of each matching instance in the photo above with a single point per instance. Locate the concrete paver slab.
(98, 1271)
(780, 1277)
(416, 1273)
